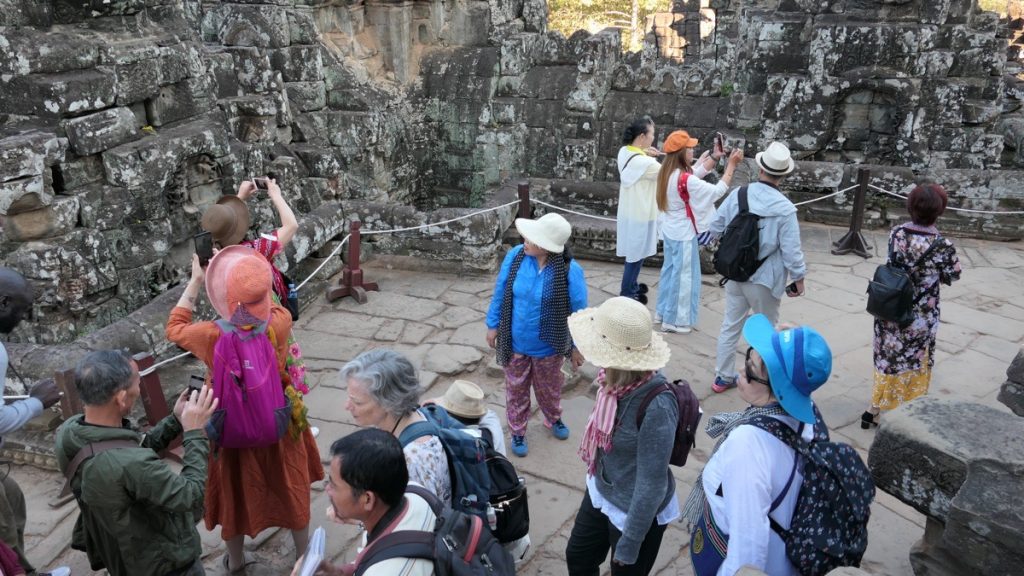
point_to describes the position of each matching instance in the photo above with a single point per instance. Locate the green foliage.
(568, 16)
(727, 89)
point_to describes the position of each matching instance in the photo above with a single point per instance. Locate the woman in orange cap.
(687, 205)
(248, 489)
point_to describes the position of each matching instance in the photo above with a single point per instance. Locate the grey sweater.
(639, 482)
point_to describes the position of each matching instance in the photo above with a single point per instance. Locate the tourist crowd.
(250, 456)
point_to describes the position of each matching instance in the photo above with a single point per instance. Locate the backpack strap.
(684, 195)
(628, 160)
(648, 398)
(931, 248)
(415, 431)
(88, 451)
(793, 439)
(398, 544)
(742, 199)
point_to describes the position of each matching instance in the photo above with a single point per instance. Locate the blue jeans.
(630, 287)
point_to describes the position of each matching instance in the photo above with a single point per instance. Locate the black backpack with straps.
(460, 545)
(891, 292)
(737, 254)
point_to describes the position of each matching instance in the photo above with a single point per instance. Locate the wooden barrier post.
(853, 241)
(70, 402)
(154, 403)
(525, 209)
(351, 283)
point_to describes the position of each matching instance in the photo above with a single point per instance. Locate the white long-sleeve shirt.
(752, 467)
(675, 224)
(14, 416)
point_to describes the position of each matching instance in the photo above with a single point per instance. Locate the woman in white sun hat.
(630, 497)
(538, 286)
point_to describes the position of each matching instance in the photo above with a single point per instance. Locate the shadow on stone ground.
(437, 320)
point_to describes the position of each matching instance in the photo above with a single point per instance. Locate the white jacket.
(636, 227)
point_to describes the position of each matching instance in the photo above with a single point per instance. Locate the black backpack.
(891, 292)
(508, 495)
(829, 528)
(689, 417)
(460, 544)
(736, 257)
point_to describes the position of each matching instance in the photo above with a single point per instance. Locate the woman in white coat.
(636, 226)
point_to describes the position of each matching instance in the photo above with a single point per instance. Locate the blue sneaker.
(721, 384)
(519, 447)
(558, 429)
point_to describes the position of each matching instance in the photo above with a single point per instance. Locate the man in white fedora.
(779, 251)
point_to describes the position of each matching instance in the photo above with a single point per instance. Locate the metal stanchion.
(853, 241)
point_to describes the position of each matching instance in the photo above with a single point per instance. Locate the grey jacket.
(639, 481)
(779, 238)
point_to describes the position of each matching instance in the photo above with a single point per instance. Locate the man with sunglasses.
(16, 300)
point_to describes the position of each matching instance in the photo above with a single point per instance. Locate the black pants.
(593, 535)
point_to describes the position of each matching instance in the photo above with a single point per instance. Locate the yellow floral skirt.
(891, 390)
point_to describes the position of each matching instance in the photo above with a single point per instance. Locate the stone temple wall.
(122, 120)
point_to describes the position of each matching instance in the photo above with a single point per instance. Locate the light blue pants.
(679, 286)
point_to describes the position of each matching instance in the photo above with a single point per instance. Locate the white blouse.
(675, 224)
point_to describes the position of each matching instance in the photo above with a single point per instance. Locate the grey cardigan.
(639, 482)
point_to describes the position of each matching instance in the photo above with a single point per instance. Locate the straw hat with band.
(463, 398)
(678, 140)
(775, 160)
(619, 334)
(551, 231)
(238, 283)
(227, 221)
(799, 362)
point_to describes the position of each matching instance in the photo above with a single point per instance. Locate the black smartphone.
(195, 383)
(204, 247)
(720, 142)
(792, 290)
(261, 183)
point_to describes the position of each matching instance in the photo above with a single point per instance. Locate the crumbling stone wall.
(121, 120)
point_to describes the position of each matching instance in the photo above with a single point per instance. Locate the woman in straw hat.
(687, 204)
(228, 223)
(250, 489)
(630, 495)
(538, 286)
(752, 477)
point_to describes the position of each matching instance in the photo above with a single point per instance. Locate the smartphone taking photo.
(195, 383)
(204, 247)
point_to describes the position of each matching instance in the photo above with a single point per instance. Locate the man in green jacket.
(138, 518)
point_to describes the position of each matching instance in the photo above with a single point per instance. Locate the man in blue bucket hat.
(750, 470)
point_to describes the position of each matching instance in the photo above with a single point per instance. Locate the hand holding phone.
(792, 289)
(204, 247)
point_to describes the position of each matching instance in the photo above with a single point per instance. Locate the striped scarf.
(721, 425)
(554, 306)
(601, 423)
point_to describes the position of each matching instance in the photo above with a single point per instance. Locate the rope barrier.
(820, 198)
(443, 222)
(542, 203)
(324, 263)
(953, 208)
(153, 368)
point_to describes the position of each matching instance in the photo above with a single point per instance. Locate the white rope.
(820, 198)
(542, 203)
(324, 263)
(953, 208)
(443, 222)
(153, 368)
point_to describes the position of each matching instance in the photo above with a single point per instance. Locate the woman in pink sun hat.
(249, 489)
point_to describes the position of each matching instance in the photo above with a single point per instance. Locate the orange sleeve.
(198, 338)
(281, 323)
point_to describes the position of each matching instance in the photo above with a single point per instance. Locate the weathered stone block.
(153, 159)
(54, 220)
(139, 243)
(298, 63)
(97, 132)
(306, 96)
(240, 25)
(25, 194)
(922, 460)
(75, 172)
(302, 28)
(67, 270)
(29, 153)
(177, 102)
(253, 70)
(59, 94)
(321, 162)
(104, 207)
(137, 81)
(29, 51)
(1011, 393)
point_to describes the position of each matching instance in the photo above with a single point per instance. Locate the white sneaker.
(61, 571)
(666, 327)
(657, 317)
(314, 431)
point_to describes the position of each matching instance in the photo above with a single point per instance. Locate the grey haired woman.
(384, 392)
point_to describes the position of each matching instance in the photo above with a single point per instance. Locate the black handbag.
(891, 292)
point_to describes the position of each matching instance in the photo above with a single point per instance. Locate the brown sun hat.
(227, 221)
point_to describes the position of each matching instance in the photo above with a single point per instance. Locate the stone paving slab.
(437, 319)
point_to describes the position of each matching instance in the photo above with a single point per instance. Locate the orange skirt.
(249, 490)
